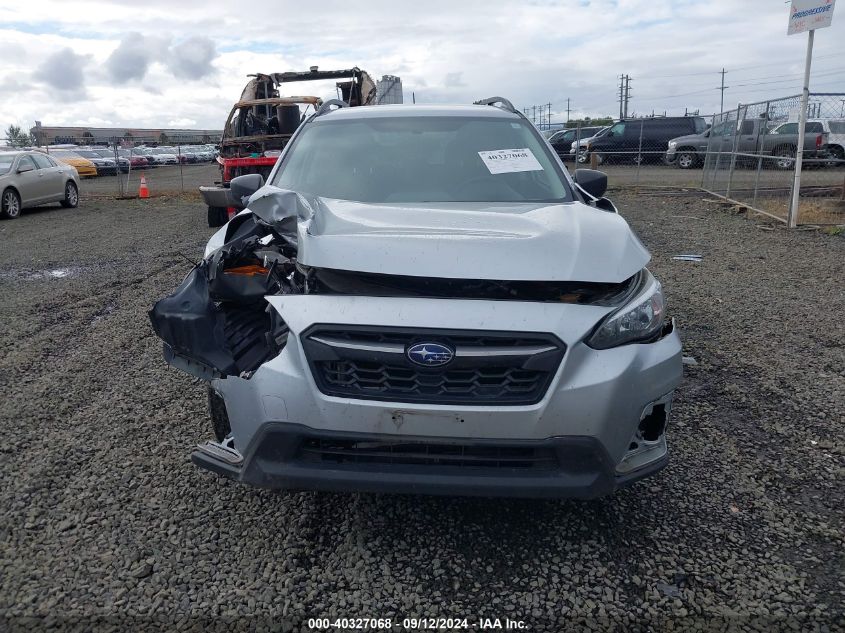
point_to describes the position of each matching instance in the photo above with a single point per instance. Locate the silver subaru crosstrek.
(29, 179)
(422, 299)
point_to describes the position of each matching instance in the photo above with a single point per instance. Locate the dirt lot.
(107, 525)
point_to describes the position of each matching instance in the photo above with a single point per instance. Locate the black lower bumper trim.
(273, 460)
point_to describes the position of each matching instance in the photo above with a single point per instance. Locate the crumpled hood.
(505, 241)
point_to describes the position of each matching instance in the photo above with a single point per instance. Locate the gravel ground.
(107, 525)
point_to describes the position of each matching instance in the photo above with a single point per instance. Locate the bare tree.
(16, 137)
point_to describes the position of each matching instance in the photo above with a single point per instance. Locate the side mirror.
(24, 168)
(592, 181)
(244, 186)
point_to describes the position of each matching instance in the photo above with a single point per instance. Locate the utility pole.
(621, 95)
(722, 88)
(549, 114)
(627, 93)
(567, 108)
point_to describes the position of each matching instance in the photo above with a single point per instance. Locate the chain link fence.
(115, 167)
(751, 154)
(633, 152)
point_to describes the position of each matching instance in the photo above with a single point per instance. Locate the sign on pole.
(805, 15)
(809, 15)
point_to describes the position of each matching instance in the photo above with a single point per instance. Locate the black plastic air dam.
(215, 339)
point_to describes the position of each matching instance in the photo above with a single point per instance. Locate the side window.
(42, 161)
(700, 125)
(23, 161)
(747, 128)
(814, 126)
(788, 128)
(618, 129)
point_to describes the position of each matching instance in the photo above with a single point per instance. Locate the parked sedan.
(122, 161)
(28, 179)
(105, 166)
(164, 156)
(135, 160)
(84, 167)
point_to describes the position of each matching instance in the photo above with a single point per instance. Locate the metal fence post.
(708, 157)
(737, 125)
(577, 147)
(117, 171)
(640, 153)
(181, 176)
(761, 143)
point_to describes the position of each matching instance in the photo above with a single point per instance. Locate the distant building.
(53, 135)
(389, 90)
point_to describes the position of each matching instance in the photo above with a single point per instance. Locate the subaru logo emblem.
(430, 354)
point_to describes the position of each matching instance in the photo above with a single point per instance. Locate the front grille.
(488, 367)
(342, 451)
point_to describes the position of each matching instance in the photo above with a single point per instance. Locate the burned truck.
(262, 122)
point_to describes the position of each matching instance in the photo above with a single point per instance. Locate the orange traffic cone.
(143, 191)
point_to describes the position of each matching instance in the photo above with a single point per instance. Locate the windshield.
(6, 161)
(87, 153)
(423, 159)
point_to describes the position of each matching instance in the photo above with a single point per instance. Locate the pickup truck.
(750, 139)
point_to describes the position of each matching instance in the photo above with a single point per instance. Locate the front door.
(28, 182)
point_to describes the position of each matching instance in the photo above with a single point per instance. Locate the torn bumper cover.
(295, 457)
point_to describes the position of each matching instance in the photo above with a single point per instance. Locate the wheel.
(784, 157)
(219, 417)
(10, 204)
(686, 160)
(71, 200)
(837, 154)
(583, 157)
(217, 216)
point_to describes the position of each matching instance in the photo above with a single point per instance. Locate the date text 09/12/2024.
(416, 624)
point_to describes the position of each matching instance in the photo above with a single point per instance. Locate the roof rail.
(499, 102)
(327, 106)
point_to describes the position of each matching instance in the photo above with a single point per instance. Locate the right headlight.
(639, 320)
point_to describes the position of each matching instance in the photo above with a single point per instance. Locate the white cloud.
(190, 64)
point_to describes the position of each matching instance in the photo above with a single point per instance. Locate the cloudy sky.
(169, 63)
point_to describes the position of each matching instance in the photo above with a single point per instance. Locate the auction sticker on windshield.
(505, 161)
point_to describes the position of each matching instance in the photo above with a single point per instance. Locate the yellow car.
(83, 166)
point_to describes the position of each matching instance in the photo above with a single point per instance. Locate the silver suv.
(422, 299)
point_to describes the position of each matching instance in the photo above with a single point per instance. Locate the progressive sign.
(808, 15)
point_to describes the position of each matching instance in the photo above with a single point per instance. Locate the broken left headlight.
(639, 320)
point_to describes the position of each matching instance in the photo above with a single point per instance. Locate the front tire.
(686, 160)
(784, 157)
(71, 200)
(10, 204)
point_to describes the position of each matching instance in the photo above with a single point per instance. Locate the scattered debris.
(689, 360)
(670, 591)
(688, 258)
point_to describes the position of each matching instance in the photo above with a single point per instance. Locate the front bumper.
(281, 457)
(591, 410)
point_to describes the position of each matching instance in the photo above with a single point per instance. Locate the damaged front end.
(217, 322)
